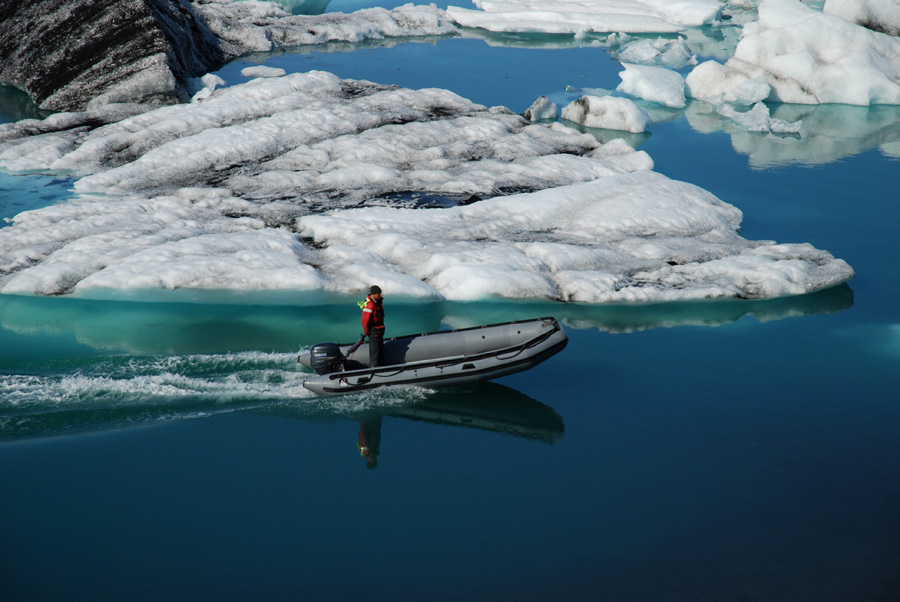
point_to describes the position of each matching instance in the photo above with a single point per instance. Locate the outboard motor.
(326, 358)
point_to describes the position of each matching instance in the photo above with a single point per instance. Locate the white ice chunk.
(541, 109)
(173, 242)
(808, 57)
(210, 81)
(203, 87)
(581, 16)
(607, 112)
(246, 26)
(263, 71)
(655, 84)
(714, 83)
(674, 54)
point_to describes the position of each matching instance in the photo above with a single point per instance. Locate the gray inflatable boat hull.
(446, 358)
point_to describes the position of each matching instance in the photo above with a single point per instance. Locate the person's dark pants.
(376, 348)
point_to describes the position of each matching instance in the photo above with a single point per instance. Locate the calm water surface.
(703, 451)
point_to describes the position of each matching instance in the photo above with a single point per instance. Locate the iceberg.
(607, 112)
(542, 109)
(245, 27)
(661, 52)
(306, 188)
(635, 237)
(805, 57)
(580, 16)
(654, 84)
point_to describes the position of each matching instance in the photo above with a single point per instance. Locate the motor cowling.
(326, 358)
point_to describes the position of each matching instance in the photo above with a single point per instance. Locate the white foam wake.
(113, 381)
(117, 392)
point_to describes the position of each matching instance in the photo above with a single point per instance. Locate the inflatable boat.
(436, 359)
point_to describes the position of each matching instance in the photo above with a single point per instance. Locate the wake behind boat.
(437, 359)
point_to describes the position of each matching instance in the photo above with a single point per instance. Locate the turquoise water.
(691, 451)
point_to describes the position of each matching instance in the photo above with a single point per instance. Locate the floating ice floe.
(542, 109)
(627, 238)
(662, 52)
(607, 112)
(716, 83)
(248, 26)
(299, 190)
(580, 16)
(805, 57)
(655, 84)
(262, 71)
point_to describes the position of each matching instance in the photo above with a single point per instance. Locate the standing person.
(373, 325)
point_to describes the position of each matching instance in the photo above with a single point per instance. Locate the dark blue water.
(682, 452)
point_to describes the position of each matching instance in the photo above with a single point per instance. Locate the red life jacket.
(372, 315)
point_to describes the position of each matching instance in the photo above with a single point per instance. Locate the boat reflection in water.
(486, 406)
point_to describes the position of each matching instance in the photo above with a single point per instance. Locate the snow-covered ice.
(661, 52)
(250, 26)
(306, 188)
(806, 57)
(626, 238)
(227, 195)
(791, 53)
(262, 71)
(716, 83)
(655, 84)
(580, 16)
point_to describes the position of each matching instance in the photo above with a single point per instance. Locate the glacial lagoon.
(741, 449)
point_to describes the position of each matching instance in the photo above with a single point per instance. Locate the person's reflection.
(369, 440)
